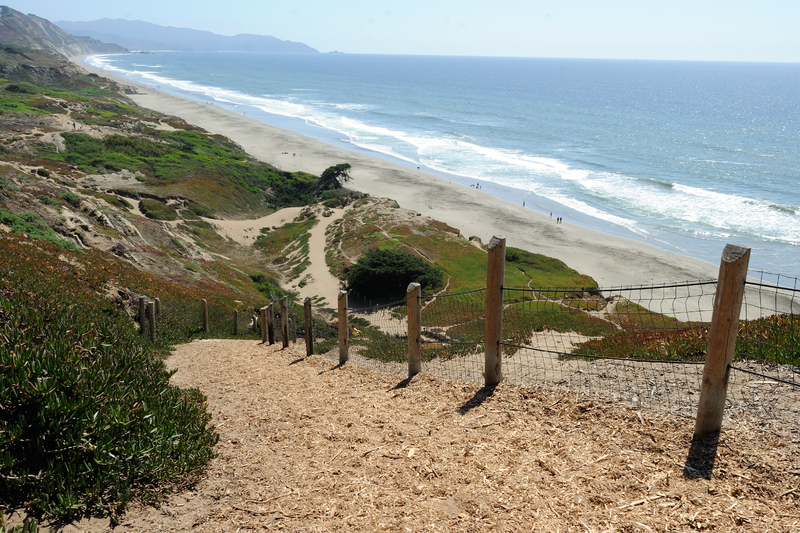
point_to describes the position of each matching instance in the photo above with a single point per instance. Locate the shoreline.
(610, 259)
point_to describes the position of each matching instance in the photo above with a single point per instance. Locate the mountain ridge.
(141, 35)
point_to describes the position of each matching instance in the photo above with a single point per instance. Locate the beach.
(611, 260)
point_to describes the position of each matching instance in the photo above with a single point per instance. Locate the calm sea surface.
(686, 155)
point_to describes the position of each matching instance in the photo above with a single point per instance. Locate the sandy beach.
(609, 259)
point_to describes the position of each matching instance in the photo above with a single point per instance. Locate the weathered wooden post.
(142, 317)
(344, 331)
(158, 306)
(495, 274)
(285, 321)
(263, 325)
(413, 294)
(722, 338)
(151, 310)
(309, 327)
(294, 329)
(270, 324)
(236, 322)
(205, 316)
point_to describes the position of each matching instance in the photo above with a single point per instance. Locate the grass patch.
(34, 226)
(203, 233)
(546, 271)
(157, 210)
(116, 201)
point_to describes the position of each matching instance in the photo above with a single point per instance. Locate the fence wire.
(765, 374)
(453, 331)
(643, 346)
(379, 337)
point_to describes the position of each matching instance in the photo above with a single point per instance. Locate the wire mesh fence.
(379, 337)
(765, 374)
(643, 346)
(453, 330)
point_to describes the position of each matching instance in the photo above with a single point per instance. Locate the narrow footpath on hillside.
(308, 445)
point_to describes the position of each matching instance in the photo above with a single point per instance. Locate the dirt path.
(319, 280)
(245, 231)
(309, 446)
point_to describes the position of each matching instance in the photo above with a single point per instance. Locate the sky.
(710, 30)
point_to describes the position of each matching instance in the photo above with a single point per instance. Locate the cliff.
(36, 33)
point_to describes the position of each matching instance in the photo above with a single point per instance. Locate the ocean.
(688, 156)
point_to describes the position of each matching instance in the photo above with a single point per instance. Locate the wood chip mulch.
(307, 445)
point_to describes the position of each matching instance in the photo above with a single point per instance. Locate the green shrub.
(71, 198)
(387, 273)
(89, 418)
(157, 210)
(47, 200)
(332, 203)
(200, 210)
(267, 286)
(34, 226)
(20, 88)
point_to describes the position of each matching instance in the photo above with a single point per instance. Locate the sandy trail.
(245, 231)
(319, 280)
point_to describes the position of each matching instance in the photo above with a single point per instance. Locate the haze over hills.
(140, 35)
(36, 33)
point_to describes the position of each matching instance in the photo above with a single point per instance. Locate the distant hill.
(139, 35)
(36, 33)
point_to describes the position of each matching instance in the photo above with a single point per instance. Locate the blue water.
(686, 155)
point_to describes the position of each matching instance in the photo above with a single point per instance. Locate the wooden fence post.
(142, 317)
(271, 324)
(294, 329)
(495, 274)
(309, 327)
(158, 306)
(344, 331)
(722, 338)
(263, 325)
(285, 321)
(205, 316)
(151, 310)
(413, 294)
(236, 322)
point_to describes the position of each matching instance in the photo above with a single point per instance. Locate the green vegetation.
(287, 246)
(204, 234)
(114, 200)
(210, 170)
(71, 198)
(384, 273)
(89, 419)
(157, 210)
(774, 339)
(268, 287)
(34, 226)
(546, 272)
(334, 177)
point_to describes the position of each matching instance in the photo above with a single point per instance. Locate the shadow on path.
(702, 454)
(478, 399)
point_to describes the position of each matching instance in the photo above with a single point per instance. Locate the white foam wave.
(608, 196)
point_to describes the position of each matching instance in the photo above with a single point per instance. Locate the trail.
(319, 280)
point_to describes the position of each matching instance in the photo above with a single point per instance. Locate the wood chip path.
(309, 446)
